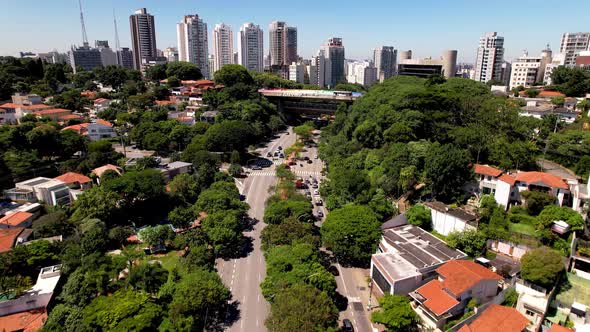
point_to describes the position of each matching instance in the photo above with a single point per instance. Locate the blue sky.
(425, 26)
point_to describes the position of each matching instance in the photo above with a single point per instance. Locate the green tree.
(156, 235)
(288, 232)
(52, 224)
(223, 230)
(181, 217)
(147, 277)
(419, 215)
(230, 75)
(470, 242)
(352, 233)
(447, 170)
(96, 202)
(184, 187)
(535, 201)
(302, 308)
(396, 314)
(541, 266)
(157, 72)
(183, 71)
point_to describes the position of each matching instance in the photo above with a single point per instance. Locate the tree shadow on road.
(223, 321)
(340, 301)
(249, 224)
(240, 250)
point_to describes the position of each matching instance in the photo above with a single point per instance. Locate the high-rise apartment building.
(572, 44)
(320, 70)
(446, 65)
(528, 70)
(125, 58)
(297, 72)
(490, 56)
(250, 47)
(171, 54)
(211, 65)
(334, 51)
(385, 60)
(85, 57)
(143, 36)
(282, 47)
(191, 34)
(223, 45)
(361, 72)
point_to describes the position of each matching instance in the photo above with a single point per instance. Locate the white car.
(316, 192)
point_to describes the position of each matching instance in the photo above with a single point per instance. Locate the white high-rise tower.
(490, 56)
(192, 42)
(250, 47)
(223, 45)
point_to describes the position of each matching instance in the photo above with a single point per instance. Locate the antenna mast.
(117, 43)
(84, 36)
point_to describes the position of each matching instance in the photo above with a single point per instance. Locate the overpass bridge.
(309, 102)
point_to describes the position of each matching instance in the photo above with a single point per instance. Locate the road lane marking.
(242, 324)
(258, 297)
(257, 323)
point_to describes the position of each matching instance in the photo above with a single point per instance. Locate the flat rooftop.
(409, 249)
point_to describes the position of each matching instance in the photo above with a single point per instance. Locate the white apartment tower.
(490, 56)
(572, 44)
(320, 70)
(385, 59)
(250, 47)
(192, 42)
(361, 72)
(223, 45)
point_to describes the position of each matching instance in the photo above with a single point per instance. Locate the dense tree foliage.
(541, 266)
(396, 314)
(419, 215)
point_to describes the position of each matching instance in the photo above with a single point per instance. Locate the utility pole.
(84, 36)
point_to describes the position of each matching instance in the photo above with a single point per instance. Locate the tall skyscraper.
(361, 72)
(193, 44)
(211, 64)
(320, 71)
(490, 56)
(250, 47)
(385, 59)
(223, 45)
(143, 36)
(282, 43)
(335, 52)
(572, 44)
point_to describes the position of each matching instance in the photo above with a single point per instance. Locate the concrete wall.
(445, 223)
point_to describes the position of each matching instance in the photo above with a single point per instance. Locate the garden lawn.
(578, 290)
(522, 228)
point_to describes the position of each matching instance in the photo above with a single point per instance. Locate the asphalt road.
(244, 275)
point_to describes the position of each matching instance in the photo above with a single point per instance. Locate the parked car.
(256, 168)
(281, 155)
(309, 161)
(334, 270)
(320, 214)
(280, 147)
(268, 155)
(316, 192)
(347, 326)
(315, 186)
(319, 202)
(316, 157)
(306, 158)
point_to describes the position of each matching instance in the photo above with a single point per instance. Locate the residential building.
(282, 47)
(572, 43)
(125, 58)
(556, 61)
(334, 50)
(320, 70)
(528, 70)
(75, 180)
(54, 114)
(505, 71)
(211, 65)
(223, 45)
(513, 250)
(497, 318)
(235, 58)
(100, 104)
(490, 57)
(193, 45)
(445, 66)
(406, 258)
(9, 238)
(85, 57)
(28, 312)
(251, 47)
(538, 109)
(297, 72)
(583, 60)
(96, 130)
(209, 116)
(17, 219)
(11, 113)
(446, 219)
(385, 60)
(361, 72)
(27, 99)
(107, 55)
(40, 189)
(533, 302)
(143, 37)
(169, 171)
(171, 54)
(458, 282)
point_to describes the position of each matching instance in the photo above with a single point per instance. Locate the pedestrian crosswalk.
(307, 173)
(278, 162)
(297, 173)
(262, 173)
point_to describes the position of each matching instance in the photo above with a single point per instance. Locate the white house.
(446, 220)
(96, 130)
(51, 191)
(101, 104)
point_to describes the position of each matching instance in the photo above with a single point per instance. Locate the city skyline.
(426, 30)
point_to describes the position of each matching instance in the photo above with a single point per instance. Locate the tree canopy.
(541, 266)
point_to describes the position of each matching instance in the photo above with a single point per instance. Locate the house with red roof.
(458, 282)
(52, 113)
(17, 219)
(492, 181)
(75, 180)
(96, 130)
(9, 238)
(497, 318)
(101, 104)
(10, 113)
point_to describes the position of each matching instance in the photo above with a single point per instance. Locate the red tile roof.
(26, 107)
(100, 100)
(437, 299)
(559, 328)
(104, 122)
(164, 102)
(79, 128)
(98, 171)
(497, 318)
(71, 177)
(542, 178)
(8, 238)
(544, 94)
(487, 170)
(27, 321)
(508, 179)
(15, 219)
(461, 275)
(53, 111)
(70, 117)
